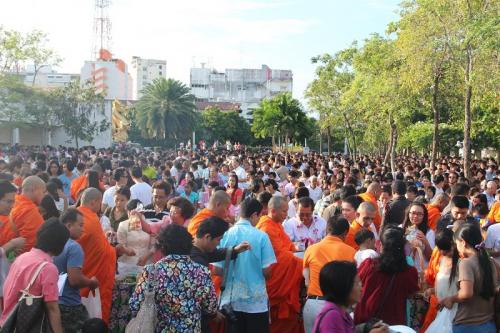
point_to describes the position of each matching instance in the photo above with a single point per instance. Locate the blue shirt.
(67, 183)
(246, 285)
(193, 197)
(71, 257)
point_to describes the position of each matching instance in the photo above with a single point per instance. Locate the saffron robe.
(283, 286)
(197, 219)
(27, 220)
(100, 259)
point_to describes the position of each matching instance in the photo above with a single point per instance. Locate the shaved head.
(219, 197)
(276, 202)
(374, 188)
(441, 200)
(366, 207)
(90, 195)
(219, 204)
(34, 188)
(32, 183)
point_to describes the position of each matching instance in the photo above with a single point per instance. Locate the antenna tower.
(102, 29)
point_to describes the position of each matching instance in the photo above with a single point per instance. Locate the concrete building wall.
(244, 86)
(144, 72)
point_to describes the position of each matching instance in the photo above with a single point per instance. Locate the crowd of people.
(248, 241)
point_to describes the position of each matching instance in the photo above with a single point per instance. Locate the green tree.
(334, 76)
(13, 95)
(470, 29)
(76, 107)
(222, 126)
(166, 110)
(282, 116)
(18, 49)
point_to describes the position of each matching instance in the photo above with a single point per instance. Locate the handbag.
(29, 314)
(146, 319)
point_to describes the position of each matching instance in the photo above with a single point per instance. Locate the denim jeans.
(488, 327)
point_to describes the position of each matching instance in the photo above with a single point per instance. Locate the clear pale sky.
(284, 34)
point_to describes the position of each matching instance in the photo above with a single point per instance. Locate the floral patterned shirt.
(183, 290)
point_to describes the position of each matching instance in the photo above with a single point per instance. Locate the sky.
(283, 34)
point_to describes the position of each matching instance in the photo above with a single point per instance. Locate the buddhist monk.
(365, 215)
(435, 208)
(26, 219)
(8, 241)
(218, 205)
(100, 256)
(371, 195)
(283, 286)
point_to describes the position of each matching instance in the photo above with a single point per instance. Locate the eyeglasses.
(417, 213)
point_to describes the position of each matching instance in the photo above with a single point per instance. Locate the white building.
(246, 87)
(110, 77)
(48, 78)
(145, 71)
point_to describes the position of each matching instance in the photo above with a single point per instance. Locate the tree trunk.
(394, 132)
(320, 143)
(391, 142)
(351, 132)
(76, 141)
(467, 122)
(435, 111)
(329, 137)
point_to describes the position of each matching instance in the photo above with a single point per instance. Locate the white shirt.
(143, 192)
(242, 174)
(315, 193)
(292, 208)
(298, 232)
(492, 240)
(108, 197)
(362, 255)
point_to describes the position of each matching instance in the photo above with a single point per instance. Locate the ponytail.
(471, 234)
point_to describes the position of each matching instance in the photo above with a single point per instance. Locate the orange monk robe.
(369, 197)
(349, 238)
(77, 185)
(100, 259)
(430, 279)
(494, 214)
(27, 220)
(18, 181)
(434, 214)
(197, 219)
(6, 232)
(283, 286)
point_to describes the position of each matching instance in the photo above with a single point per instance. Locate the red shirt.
(375, 284)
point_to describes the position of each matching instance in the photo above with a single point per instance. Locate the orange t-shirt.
(494, 214)
(434, 214)
(100, 259)
(197, 219)
(27, 219)
(369, 197)
(317, 255)
(283, 286)
(349, 238)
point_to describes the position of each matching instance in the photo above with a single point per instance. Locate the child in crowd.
(365, 239)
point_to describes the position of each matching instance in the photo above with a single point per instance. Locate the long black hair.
(424, 226)
(445, 242)
(392, 258)
(471, 234)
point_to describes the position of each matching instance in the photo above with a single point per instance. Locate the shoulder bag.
(29, 314)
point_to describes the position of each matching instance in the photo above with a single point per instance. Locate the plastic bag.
(443, 322)
(93, 304)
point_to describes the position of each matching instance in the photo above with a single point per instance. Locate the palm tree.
(166, 110)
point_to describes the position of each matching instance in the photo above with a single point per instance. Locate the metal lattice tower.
(102, 28)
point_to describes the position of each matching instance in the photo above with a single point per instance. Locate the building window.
(159, 67)
(160, 73)
(144, 68)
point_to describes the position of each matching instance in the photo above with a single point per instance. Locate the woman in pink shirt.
(50, 241)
